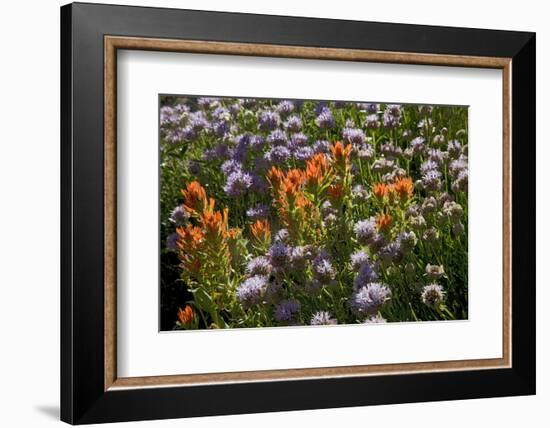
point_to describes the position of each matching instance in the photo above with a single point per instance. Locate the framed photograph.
(267, 213)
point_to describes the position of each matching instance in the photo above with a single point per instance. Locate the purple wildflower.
(390, 253)
(179, 215)
(293, 124)
(287, 310)
(429, 205)
(258, 211)
(417, 146)
(285, 107)
(390, 121)
(242, 144)
(298, 140)
(277, 138)
(325, 120)
(453, 210)
(364, 152)
(370, 107)
(220, 128)
(372, 121)
(434, 271)
(238, 183)
(431, 235)
(268, 120)
(207, 102)
(321, 146)
(432, 295)
(281, 236)
(259, 183)
(394, 109)
(250, 291)
(375, 319)
(221, 113)
(365, 276)
(258, 266)
(406, 241)
(365, 230)
(234, 109)
(256, 142)
(277, 154)
(390, 151)
(454, 148)
(322, 318)
(358, 258)
(323, 271)
(220, 151)
(304, 153)
(383, 165)
(182, 108)
(230, 166)
(198, 121)
(279, 254)
(369, 298)
(436, 156)
(360, 193)
(458, 165)
(172, 242)
(168, 116)
(429, 165)
(461, 182)
(353, 136)
(298, 258)
(431, 180)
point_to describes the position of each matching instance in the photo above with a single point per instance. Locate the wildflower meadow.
(295, 212)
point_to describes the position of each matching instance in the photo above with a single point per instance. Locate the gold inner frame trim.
(113, 43)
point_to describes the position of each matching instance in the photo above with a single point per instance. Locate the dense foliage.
(285, 212)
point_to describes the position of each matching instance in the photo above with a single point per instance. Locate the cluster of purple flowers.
(251, 290)
(323, 318)
(368, 299)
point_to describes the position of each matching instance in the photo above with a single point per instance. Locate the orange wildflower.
(404, 187)
(194, 196)
(234, 233)
(190, 241)
(275, 177)
(295, 176)
(339, 151)
(261, 230)
(383, 221)
(340, 155)
(186, 316)
(336, 192)
(215, 223)
(380, 190)
(292, 182)
(303, 203)
(316, 169)
(190, 235)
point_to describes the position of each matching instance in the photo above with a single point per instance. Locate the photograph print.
(285, 212)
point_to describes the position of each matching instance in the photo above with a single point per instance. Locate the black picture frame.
(83, 396)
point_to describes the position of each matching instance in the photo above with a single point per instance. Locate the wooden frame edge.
(507, 212)
(301, 52)
(299, 374)
(112, 43)
(109, 263)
